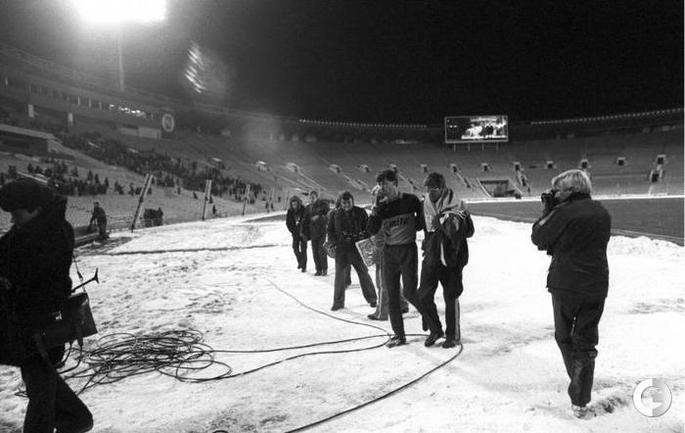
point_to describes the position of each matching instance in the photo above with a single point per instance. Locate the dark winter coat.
(294, 218)
(346, 228)
(36, 258)
(450, 237)
(315, 219)
(576, 233)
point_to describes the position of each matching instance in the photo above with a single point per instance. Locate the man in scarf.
(447, 224)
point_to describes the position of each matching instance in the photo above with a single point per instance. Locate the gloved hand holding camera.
(549, 199)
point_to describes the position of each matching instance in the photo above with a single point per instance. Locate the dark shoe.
(432, 338)
(396, 340)
(304, 269)
(450, 342)
(373, 316)
(324, 272)
(405, 310)
(317, 273)
(336, 308)
(373, 304)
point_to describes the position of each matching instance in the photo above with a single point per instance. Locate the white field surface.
(233, 279)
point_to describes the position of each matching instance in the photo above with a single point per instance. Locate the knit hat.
(24, 193)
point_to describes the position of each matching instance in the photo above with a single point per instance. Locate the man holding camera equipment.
(398, 214)
(575, 231)
(35, 257)
(447, 224)
(347, 225)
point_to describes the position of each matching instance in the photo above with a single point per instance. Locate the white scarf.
(448, 204)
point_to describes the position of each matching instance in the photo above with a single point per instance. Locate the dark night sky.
(391, 61)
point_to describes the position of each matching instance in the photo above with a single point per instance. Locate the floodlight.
(119, 11)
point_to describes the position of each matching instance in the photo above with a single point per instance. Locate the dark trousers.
(300, 250)
(319, 254)
(381, 312)
(400, 261)
(51, 402)
(575, 329)
(452, 287)
(343, 259)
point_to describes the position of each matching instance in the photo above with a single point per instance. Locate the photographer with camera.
(347, 225)
(35, 257)
(575, 231)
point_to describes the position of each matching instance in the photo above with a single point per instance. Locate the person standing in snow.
(35, 257)
(293, 220)
(378, 241)
(314, 229)
(346, 226)
(398, 214)
(447, 224)
(575, 231)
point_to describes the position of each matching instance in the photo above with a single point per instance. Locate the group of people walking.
(573, 229)
(36, 256)
(391, 227)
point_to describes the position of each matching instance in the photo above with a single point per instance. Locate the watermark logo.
(659, 397)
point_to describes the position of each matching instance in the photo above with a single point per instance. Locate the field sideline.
(655, 218)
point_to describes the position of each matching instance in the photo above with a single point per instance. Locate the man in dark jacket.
(293, 220)
(347, 225)
(35, 257)
(447, 224)
(575, 231)
(314, 229)
(99, 217)
(398, 215)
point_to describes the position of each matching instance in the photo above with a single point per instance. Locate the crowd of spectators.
(167, 170)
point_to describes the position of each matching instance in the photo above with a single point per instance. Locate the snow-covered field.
(236, 282)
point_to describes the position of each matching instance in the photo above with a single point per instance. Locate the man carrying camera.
(35, 257)
(575, 231)
(346, 226)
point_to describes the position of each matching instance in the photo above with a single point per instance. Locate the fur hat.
(26, 194)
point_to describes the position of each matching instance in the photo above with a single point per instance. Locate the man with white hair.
(575, 231)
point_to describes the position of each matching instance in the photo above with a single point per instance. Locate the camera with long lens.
(549, 199)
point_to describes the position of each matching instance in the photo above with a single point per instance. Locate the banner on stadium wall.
(168, 124)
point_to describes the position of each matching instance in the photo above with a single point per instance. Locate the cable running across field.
(180, 353)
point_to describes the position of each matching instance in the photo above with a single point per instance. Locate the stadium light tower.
(116, 13)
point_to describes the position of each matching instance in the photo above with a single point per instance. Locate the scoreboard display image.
(476, 129)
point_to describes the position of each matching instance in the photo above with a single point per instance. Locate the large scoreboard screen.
(476, 129)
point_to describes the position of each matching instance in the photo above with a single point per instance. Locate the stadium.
(198, 257)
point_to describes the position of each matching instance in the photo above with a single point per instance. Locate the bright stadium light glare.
(120, 11)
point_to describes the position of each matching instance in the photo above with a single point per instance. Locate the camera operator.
(347, 225)
(35, 257)
(575, 230)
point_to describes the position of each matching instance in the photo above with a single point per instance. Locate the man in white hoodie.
(447, 224)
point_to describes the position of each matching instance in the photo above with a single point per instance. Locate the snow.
(236, 282)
